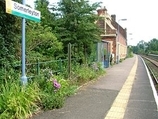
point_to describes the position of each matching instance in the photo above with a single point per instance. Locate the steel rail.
(150, 69)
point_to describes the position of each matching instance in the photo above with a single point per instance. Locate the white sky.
(141, 15)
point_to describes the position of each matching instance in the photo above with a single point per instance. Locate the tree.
(76, 24)
(144, 47)
(8, 32)
(41, 42)
(135, 49)
(153, 46)
(47, 24)
(47, 16)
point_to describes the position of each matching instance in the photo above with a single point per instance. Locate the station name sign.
(20, 10)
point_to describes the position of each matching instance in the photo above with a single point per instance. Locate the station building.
(113, 35)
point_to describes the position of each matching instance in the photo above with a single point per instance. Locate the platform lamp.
(129, 44)
(117, 43)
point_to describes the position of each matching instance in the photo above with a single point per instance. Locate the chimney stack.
(102, 11)
(113, 17)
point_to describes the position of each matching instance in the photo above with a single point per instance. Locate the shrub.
(18, 102)
(85, 73)
(54, 96)
(45, 91)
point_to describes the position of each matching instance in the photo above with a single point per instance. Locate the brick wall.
(109, 34)
(112, 44)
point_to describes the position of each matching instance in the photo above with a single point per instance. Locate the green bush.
(18, 102)
(154, 52)
(130, 55)
(85, 73)
(52, 97)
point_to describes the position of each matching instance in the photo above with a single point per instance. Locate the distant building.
(109, 28)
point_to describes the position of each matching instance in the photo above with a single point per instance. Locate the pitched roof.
(122, 31)
(109, 24)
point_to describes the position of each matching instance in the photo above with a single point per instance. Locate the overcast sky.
(141, 15)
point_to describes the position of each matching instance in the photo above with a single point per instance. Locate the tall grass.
(18, 102)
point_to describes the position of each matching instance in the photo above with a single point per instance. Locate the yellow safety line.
(118, 107)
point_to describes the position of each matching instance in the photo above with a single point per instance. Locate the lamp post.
(129, 44)
(129, 51)
(117, 43)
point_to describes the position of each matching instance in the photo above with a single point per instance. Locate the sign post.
(23, 77)
(26, 13)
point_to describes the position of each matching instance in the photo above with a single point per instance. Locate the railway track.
(152, 65)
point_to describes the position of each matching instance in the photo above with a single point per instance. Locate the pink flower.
(56, 84)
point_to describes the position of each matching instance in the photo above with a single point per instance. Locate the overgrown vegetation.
(68, 22)
(17, 101)
(43, 92)
(130, 52)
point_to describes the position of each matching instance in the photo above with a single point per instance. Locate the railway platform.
(125, 92)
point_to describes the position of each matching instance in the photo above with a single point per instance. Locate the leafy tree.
(8, 32)
(41, 42)
(48, 19)
(135, 49)
(47, 16)
(153, 45)
(76, 24)
(144, 47)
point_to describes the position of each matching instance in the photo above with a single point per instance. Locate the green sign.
(22, 11)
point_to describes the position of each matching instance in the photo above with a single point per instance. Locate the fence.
(56, 66)
(37, 68)
(34, 69)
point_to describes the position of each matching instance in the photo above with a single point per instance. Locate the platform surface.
(123, 93)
